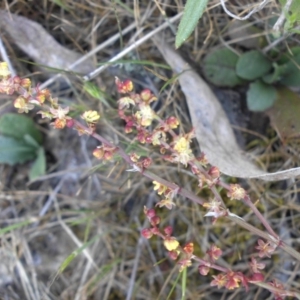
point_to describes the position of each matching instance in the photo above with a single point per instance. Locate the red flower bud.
(147, 233)
(258, 277)
(155, 230)
(150, 213)
(168, 230)
(189, 248)
(203, 270)
(155, 220)
(70, 123)
(173, 254)
(146, 94)
(214, 172)
(124, 86)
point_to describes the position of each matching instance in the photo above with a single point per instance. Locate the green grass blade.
(14, 226)
(173, 287)
(183, 283)
(193, 11)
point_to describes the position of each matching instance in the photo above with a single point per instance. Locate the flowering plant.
(149, 129)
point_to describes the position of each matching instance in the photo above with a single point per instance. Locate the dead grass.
(74, 234)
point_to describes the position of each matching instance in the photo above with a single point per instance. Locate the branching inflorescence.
(135, 109)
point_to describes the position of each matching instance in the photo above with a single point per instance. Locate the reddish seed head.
(172, 122)
(258, 277)
(146, 163)
(70, 123)
(155, 230)
(147, 233)
(168, 230)
(124, 86)
(146, 95)
(150, 213)
(214, 172)
(155, 220)
(203, 270)
(189, 248)
(173, 254)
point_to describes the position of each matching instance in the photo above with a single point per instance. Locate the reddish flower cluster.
(174, 147)
(30, 97)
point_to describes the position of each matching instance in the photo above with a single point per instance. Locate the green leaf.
(193, 11)
(169, 82)
(94, 91)
(276, 75)
(12, 227)
(219, 68)
(252, 65)
(260, 96)
(173, 286)
(294, 8)
(39, 166)
(13, 151)
(289, 55)
(75, 253)
(291, 76)
(17, 126)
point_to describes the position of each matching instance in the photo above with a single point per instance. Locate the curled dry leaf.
(212, 128)
(37, 43)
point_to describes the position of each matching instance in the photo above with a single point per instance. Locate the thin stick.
(258, 8)
(85, 57)
(281, 18)
(131, 47)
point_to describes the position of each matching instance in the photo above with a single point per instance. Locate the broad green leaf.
(17, 126)
(30, 141)
(260, 96)
(219, 68)
(13, 151)
(39, 166)
(284, 114)
(252, 65)
(193, 11)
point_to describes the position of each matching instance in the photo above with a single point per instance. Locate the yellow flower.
(125, 102)
(183, 151)
(4, 70)
(22, 105)
(171, 243)
(90, 116)
(145, 115)
(168, 203)
(236, 192)
(160, 188)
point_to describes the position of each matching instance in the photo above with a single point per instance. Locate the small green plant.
(292, 16)
(20, 141)
(225, 68)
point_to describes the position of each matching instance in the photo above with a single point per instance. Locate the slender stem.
(272, 237)
(263, 220)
